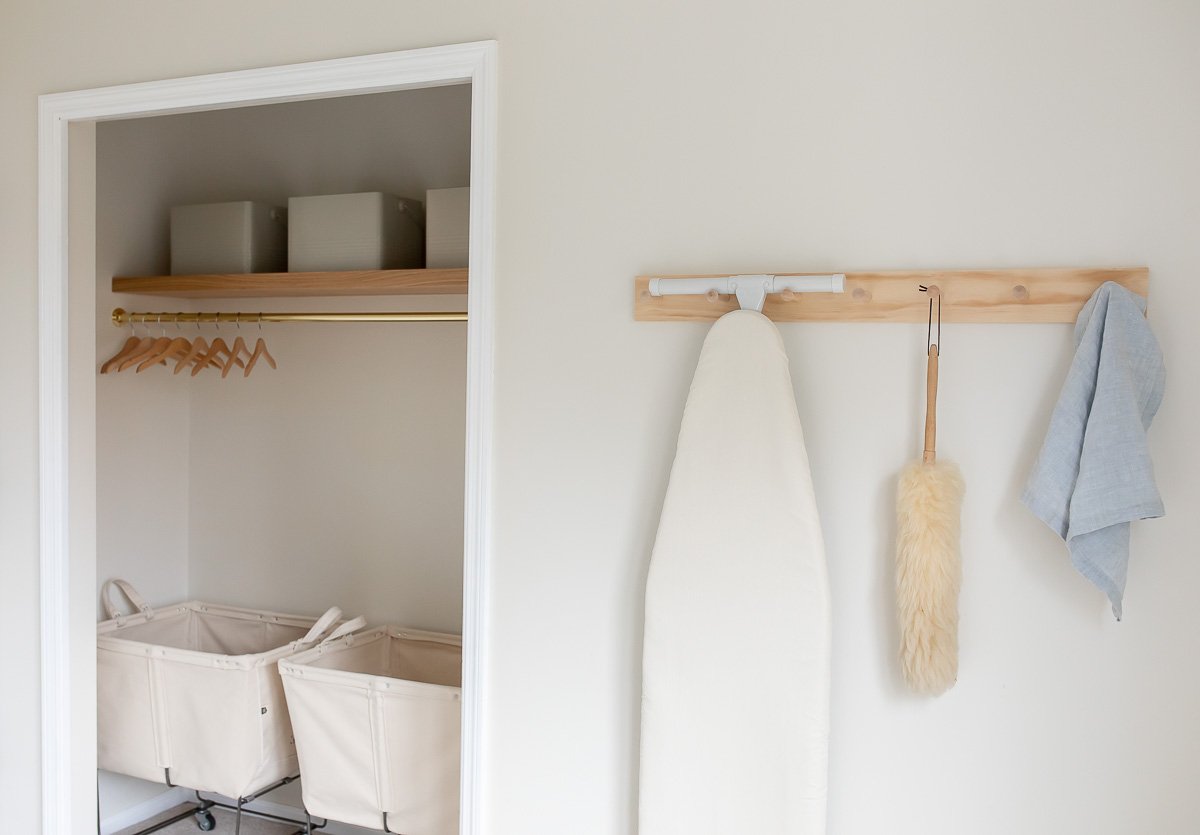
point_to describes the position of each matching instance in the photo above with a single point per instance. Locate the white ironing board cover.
(736, 659)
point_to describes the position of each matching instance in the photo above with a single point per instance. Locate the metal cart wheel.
(205, 821)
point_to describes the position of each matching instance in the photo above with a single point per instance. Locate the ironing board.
(736, 660)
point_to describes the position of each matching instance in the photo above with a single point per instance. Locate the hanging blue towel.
(1093, 475)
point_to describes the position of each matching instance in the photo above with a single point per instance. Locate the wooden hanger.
(133, 344)
(147, 351)
(149, 346)
(153, 346)
(260, 350)
(235, 352)
(176, 347)
(216, 349)
(199, 347)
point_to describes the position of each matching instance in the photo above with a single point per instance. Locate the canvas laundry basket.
(194, 688)
(377, 717)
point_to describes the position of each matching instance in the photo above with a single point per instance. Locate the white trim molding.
(473, 63)
(53, 519)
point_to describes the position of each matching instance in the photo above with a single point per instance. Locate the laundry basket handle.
(131, 595)
(352, 625)
(323, 624)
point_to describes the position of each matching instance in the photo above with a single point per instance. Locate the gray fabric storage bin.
(447, 227)
(237, 237)
(366, 231)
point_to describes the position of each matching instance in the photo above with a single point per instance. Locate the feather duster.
(928, 574)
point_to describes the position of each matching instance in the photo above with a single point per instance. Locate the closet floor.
(250, 825)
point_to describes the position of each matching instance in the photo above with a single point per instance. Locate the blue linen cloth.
(1093, 475)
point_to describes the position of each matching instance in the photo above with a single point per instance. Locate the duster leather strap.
(931, 385)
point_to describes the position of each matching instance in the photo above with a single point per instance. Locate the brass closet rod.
(123, 317)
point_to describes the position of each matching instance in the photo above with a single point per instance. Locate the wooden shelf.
(265, 285)
(1020, 295)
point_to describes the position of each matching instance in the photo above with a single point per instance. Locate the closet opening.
(336, 456)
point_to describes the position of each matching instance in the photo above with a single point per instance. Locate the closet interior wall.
(336, 479)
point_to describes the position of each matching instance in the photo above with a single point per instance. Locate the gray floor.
(250, 825)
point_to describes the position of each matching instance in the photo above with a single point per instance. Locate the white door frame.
(474, 63)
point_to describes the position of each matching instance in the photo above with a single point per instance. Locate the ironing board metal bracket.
(751, 290)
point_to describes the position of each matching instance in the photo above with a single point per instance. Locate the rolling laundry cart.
(190, 695)
(377, 717)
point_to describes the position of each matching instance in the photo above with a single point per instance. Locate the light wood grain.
(1023, 295)
(931, 382)
(271, 285)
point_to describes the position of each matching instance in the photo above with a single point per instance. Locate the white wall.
(142, 418)
(657, 136)
(338, 478)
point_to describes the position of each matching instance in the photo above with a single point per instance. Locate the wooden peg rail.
(1025, 295)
